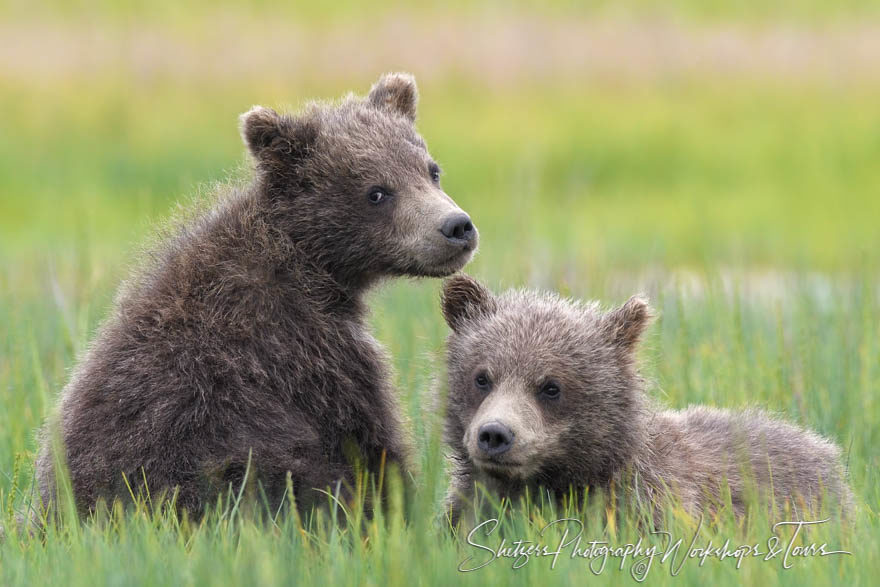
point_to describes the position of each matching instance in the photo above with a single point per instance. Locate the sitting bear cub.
(545, 392)
(243, 345)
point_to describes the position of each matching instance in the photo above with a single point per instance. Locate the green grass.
(747, 210)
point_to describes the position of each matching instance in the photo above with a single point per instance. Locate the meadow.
(746, 205)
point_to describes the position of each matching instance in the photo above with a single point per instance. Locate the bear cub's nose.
(494, 438)
(458, 228)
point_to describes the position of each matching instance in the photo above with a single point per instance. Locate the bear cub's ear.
(465, 299)
(396, 92)
(626, 324)
(269, 135)
(260, 126)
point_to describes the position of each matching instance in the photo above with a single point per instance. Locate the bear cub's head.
(356, 188)
(542, 390)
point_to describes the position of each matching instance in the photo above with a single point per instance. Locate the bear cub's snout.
(495, 439)
(459, 229)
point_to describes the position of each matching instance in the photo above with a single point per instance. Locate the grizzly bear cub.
(244, 343)
(545, 392)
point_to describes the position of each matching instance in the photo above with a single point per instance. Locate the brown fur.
(602, 429)
(247, 336)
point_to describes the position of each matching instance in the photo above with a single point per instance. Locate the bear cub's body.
(545, 392)
(244, 343)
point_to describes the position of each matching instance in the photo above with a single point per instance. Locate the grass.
(746, 209)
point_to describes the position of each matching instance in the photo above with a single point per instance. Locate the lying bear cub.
(545, 392)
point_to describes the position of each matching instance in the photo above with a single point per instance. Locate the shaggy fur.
(246, 337)
(509, 355)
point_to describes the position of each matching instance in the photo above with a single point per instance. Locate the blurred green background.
(723, 157)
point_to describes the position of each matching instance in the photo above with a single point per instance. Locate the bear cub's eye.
(482, 381)
(378, 195)
(550, 390)
(434, 170)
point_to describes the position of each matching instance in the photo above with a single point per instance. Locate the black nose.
(494, 438)
(458, 228)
